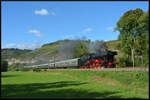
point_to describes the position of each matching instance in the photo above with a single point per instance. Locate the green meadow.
(78, 84)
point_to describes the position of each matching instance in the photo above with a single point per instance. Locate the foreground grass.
(75, 84)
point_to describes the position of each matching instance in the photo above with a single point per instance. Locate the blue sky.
(28, 25)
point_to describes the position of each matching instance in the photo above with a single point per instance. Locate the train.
(91, 60)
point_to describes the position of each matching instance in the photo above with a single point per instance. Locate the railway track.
(115, 69)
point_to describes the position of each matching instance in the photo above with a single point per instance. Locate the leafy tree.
(89, 41)
(81, 49)
(4, 66)
(133, 28)
(127, 24)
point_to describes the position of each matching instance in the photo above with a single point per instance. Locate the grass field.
(75, 84)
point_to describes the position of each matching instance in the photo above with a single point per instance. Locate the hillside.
(13, 52)
(44, 54)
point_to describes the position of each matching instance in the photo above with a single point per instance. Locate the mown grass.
(75, 84)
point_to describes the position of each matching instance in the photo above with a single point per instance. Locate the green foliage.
(24, 69)
(13, 52)
(118, 46)
(45, 70)
(127, 61)
(4, 66)
(144, 40)
(120, 62)
(123, 61)
(144, 23)
(133, 28)
(17, 69)
(36, 70)
(129, 21)
(81, 49)
(15, 66)
(89, 41)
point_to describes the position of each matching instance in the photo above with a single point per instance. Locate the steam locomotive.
(91, 60)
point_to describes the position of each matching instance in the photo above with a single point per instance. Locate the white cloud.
(41, 12)
(32, 46)
(36, 32)
(110, 28)
(44, 12)
(68, 37)
(106, 40)
(9, 45)
(87, 30)
(47, 42)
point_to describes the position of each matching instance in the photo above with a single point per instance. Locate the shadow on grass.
(52, 90)
(6, 76)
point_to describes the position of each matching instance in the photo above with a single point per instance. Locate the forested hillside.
(13, 52)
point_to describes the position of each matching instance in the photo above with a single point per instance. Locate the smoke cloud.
(99, 46)
(67, 49)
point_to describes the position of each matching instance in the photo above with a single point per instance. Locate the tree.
(132, 26)
(4, 66)
(81, 49)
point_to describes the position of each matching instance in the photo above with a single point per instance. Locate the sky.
(29, 25)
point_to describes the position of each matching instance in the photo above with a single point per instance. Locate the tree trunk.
(132, 56)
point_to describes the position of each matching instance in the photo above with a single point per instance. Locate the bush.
(17, 69)
(36, 70)
(45, 70)
(120, 62)
(123, 62)
(138, 62)
(11, 69)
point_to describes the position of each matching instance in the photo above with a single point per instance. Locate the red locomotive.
(98, 60)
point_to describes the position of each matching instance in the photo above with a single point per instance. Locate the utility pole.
(54, 61)
(142, 60)
(48, 64)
